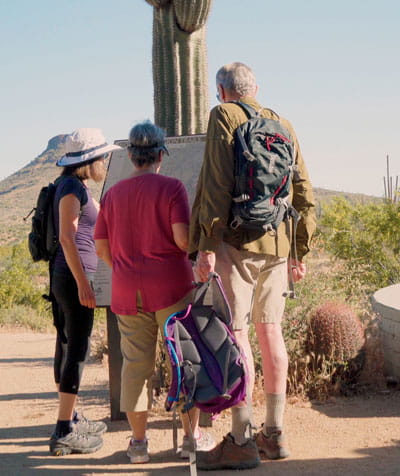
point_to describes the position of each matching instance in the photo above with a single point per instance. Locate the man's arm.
(216, 182)
(214, 193)
(303, 201)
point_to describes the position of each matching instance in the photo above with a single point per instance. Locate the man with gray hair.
(253, 266)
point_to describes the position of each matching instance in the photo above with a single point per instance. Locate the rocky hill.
(18, 192)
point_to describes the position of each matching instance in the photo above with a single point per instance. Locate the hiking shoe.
(74, 442)
(272, 445)
(137, 451)
(204, 442)
(83, 425)
(229, 455)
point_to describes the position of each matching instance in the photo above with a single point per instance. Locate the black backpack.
(42, 239)
(264, 160)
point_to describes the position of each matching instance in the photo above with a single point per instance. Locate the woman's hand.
(86, 294)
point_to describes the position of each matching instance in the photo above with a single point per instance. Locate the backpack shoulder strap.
(250, 111)
(275, 114)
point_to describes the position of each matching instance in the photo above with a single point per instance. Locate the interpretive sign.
(184, 162)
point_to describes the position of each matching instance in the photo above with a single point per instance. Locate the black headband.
(83, 152)
(146, 148)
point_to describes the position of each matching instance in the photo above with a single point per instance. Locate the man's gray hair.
(145, 141)
(237, 77)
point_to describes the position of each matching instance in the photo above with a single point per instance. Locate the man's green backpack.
(264, 161)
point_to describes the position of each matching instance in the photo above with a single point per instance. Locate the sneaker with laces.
(74, 442)
(137, 451)
(81, 424)
(272, 444)
(204, 442)
(229, 455)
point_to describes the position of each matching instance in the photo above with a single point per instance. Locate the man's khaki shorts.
(254, 285)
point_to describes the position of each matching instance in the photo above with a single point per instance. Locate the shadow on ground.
(348, 408)
(166, 463)
(41, 464)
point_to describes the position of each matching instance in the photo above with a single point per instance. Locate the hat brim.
(67, 161)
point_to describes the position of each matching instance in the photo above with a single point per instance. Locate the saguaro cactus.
(180, 65)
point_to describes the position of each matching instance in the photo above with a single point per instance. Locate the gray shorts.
(254, 285)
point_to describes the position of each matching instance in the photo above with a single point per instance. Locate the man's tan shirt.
(210, 214)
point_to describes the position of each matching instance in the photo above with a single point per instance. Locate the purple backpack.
(208, 367)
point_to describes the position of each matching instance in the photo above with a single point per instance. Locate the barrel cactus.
(181, 100)
(336, 332)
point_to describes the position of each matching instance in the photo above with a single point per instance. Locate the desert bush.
(366, 238)
(25, 317)
(22, 282)
(309, 374)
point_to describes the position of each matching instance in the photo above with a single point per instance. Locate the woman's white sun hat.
(83, 145)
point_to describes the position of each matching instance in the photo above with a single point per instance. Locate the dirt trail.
(356, 436)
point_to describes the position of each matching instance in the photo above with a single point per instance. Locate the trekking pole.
(291, 293)
(192, 450)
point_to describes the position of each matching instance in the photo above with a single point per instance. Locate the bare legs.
(138, 423)
(274, 357)
(66, 406)
(274, 365)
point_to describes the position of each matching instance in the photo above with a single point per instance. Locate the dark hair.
(145, 142)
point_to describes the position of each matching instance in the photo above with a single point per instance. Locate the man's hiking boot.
(74, 442)
(272, 445)
(229, 455)
(81, 424)
(204, 442)
(137, 451)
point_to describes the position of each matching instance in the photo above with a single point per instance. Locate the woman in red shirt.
(142, 233)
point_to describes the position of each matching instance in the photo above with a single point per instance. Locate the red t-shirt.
(136, 216)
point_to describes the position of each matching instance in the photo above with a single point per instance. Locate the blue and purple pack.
(208, 366)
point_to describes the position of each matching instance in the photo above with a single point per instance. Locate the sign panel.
(184, 162)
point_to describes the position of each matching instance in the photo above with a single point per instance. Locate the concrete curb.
(386, 302)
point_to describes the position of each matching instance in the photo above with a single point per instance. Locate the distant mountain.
(19, 191)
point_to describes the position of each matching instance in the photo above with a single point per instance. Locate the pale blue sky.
(330, 67)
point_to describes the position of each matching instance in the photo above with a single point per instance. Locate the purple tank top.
(87, 220)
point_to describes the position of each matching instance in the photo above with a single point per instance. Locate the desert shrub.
(25, 317)
(22, 282)
(366, 238)
(309, 374)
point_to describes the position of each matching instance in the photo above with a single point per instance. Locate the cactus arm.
(158, 3)
(191, 15)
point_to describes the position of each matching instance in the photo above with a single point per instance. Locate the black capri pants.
(74, 324)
